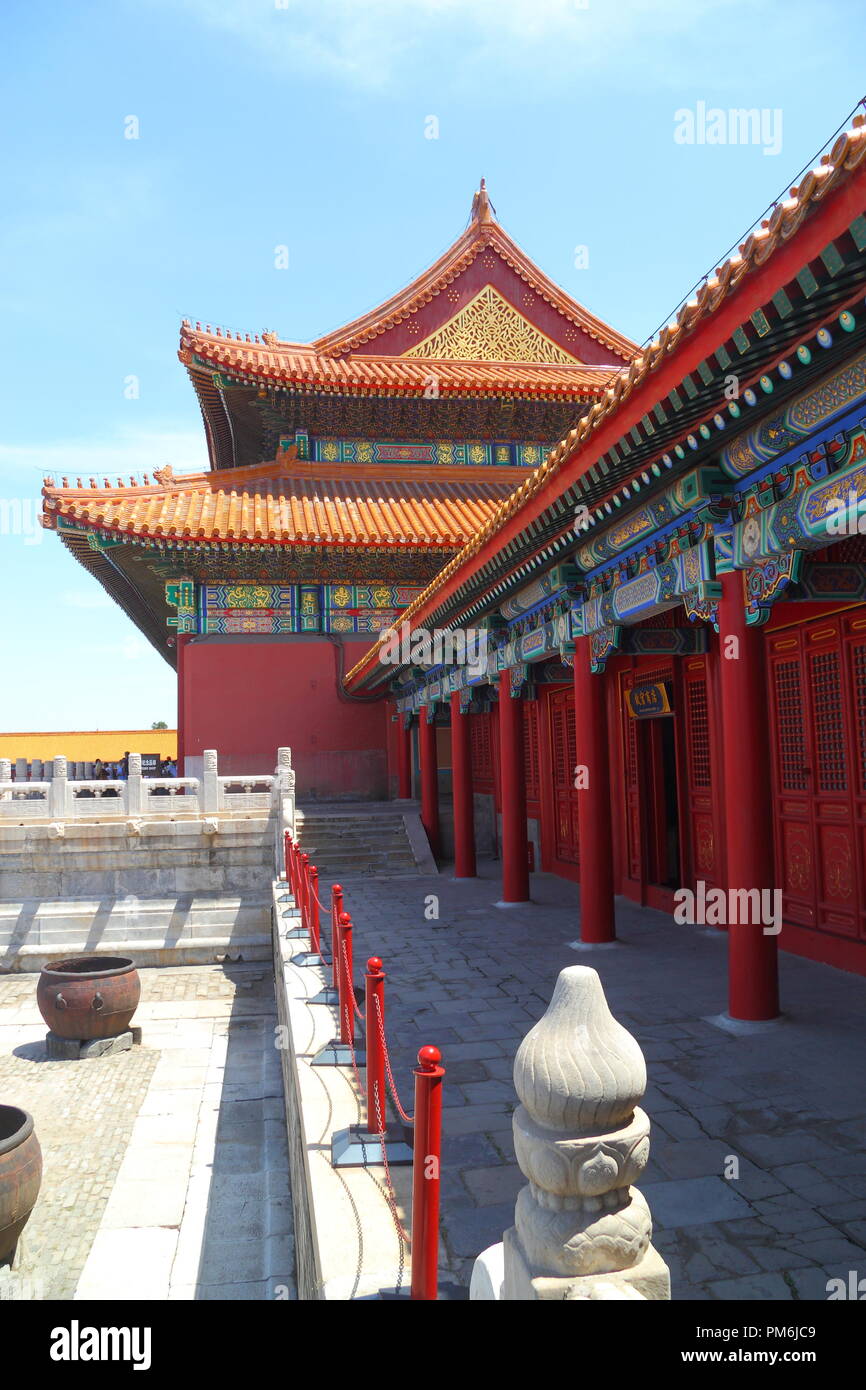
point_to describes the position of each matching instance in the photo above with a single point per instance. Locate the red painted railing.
(303, 880)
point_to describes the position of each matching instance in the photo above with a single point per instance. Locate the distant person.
(99, 770)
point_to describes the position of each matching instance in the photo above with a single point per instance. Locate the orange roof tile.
(352, 505)
(846, 159)
(290, 364)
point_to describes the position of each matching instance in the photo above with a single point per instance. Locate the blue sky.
(304, 123)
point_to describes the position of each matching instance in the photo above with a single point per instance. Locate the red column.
(429, 778)
(592, 782)
(461, 789)
(404, 758)
(753, 983)
(515, 855)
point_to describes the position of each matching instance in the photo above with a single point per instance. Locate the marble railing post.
(210, 787)
(581, 1230)
(58, 804)
(134, 790)
(5, 776)
(283, 803)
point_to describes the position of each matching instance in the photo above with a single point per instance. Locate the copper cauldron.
(20, 1175)
(88, 996)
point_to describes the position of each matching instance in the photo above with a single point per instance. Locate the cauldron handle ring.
(98, 1002)
(60, 1002)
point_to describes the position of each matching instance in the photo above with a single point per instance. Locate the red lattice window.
(564, 745)
(698, 733)
(481, 750)
(858, 654)
(788, 696)
(530, 749)
(829, 723)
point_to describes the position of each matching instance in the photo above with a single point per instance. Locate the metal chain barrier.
(407, 1119)
(349, 985)
(390, 1194)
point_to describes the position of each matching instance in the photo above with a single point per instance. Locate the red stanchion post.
(313, 883)
(303, 890)
(294, 864)
(374, 994)
(336, 909)
(425, 1173)
(344, 978)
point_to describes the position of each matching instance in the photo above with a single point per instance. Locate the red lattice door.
(816, 709)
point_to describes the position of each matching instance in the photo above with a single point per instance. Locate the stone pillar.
(753, 981)
(57, 795)
(5, 776)
(284, 804)
(461, 791)
(182, 640)
(429, 770)
(134, 789)
(404, 757)
(592, 781)
(581, 1230)
(515, 852)
(210, 790)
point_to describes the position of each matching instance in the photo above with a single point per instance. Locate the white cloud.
(75, 599)
(371, 43)
(126, 452)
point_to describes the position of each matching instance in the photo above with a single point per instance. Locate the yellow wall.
(88, 745)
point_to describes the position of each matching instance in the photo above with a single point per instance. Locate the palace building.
(661, 546)
(344, 474)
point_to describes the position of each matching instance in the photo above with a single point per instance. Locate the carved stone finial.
(133, 765)
(5, 770)
(581, 1229)
(61, 768)
(209, 760)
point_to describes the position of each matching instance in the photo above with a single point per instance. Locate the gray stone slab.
(78, 1049)
(693, 1201)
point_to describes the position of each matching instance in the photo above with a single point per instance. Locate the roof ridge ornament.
(482, 208)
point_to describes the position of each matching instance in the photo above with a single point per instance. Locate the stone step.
(202, 951)
(180, 932)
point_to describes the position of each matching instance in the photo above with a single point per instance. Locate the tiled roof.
(298, 366)
(847, 157)
(354, 505)
(483, 232)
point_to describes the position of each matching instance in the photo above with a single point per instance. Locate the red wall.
(246, 698)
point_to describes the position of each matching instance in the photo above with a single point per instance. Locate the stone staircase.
(383, 839)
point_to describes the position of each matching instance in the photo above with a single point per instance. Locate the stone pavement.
(165, 1168)
(783, 1109)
